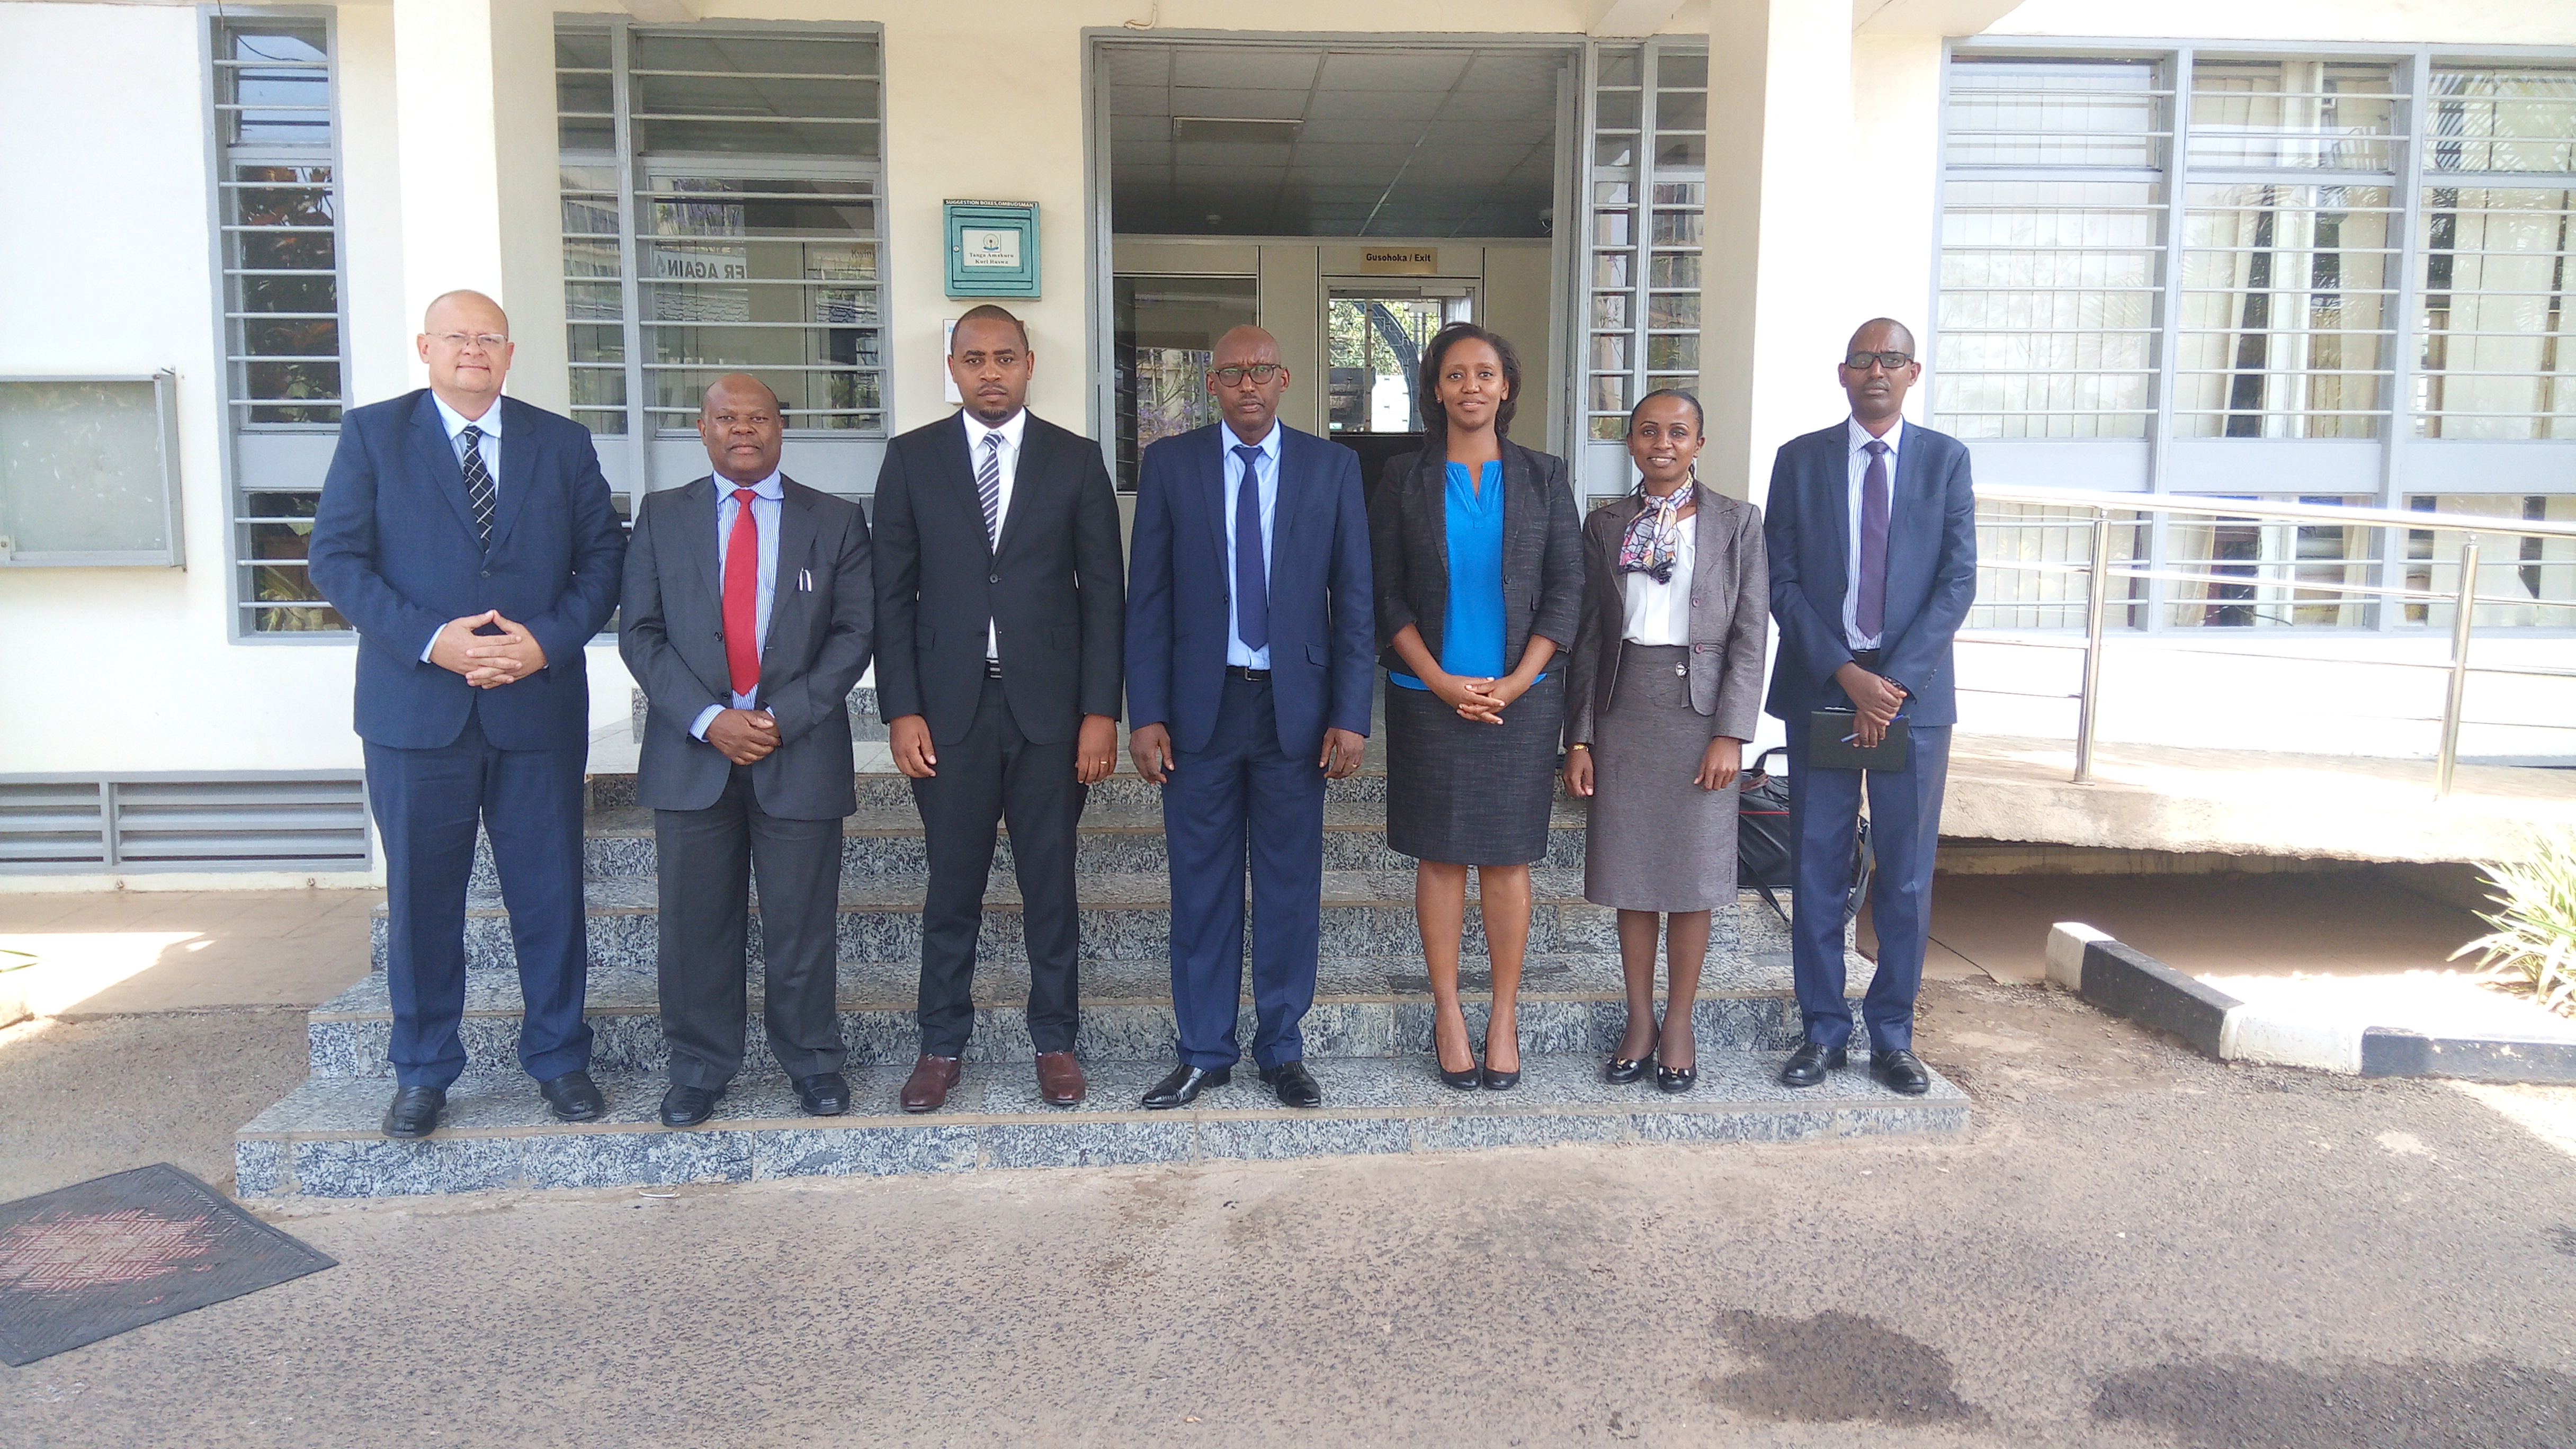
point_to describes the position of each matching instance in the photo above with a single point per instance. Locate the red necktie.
(742, 596)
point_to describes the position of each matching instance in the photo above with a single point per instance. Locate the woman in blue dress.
(1479, 561)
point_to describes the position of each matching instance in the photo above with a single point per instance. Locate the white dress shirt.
(1010, 433)
(769, 496)
(1266, 478)
(1861, 438)
(490, 449)
(1660, 613)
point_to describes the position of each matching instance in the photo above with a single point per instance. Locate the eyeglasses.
(488, 341)
(1259, 372)
(1860, 361)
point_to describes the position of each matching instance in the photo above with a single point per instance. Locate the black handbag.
(1762, 841)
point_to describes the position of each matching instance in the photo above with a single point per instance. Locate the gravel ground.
(2131, 1247)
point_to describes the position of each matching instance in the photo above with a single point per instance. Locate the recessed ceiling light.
(1235, 130)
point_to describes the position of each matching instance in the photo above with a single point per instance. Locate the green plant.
(2534, 940)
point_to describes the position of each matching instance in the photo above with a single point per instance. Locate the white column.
(475, 135)
(1788, 219)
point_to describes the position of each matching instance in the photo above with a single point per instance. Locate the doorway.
(1374, 337)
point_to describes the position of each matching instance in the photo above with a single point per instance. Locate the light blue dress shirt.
(490, 449)
(1267, 480)
(769, 496)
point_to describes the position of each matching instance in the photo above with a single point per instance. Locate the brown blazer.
(1542, 552)
(1730, 616)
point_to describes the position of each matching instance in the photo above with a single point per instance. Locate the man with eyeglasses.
(470, 539)
(1872, 534)
(749, 614)
(999, 588)
(1251, 635)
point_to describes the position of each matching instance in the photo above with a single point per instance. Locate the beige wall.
(2412, 22)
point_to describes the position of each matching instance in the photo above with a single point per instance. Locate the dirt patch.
(2224, 1403)
(1835, 1368)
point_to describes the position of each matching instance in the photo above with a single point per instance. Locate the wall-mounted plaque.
(992, 248)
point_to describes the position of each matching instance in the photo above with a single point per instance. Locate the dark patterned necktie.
(1871, 611)
(988, 482)
(478, 484)
(1251, 568)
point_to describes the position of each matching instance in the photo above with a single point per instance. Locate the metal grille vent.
(237, 821)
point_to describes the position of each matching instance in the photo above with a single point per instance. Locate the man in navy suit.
(1872, 533)
(470, 539)
(1250, 634)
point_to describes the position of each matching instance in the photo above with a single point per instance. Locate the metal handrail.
(2099, 569)
(2218, 507)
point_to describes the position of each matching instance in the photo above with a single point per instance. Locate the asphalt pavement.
(2131, 1247)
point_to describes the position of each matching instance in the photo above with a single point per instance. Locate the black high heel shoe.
(1468, 1079)
(1622, 1071)
(1495, 1081)
(1676, 1079)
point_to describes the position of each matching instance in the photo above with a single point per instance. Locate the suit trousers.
(1904, 830)
(1244, 784)
(706, 859)
(991, 774)
(427, 804)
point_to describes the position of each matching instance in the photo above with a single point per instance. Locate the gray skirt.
(1656, 841)
(1467, 793)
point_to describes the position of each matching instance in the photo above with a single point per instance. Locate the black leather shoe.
(1183, 1086)
(1676, 1079)
(1294, 1084)
(824, 1094)
(573, 1097)
(1902, 1071)
(414, 1112)
(1808, 1063)
(689, 1106)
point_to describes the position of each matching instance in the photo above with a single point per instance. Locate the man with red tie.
(750, 612)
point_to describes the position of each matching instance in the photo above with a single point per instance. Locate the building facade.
(2286, 249)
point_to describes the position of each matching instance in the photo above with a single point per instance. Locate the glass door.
(1374, 336)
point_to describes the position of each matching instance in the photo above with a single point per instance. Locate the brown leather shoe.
(928, 1086)
(1059, 1078)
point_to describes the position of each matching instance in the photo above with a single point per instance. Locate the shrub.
(2534, 940)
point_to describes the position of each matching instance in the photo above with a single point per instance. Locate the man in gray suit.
(750, 613)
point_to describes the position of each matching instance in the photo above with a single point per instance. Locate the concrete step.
(1113, 839)
(322, 1140)
(1124, 916)
(884, 790)
(1364, 1007)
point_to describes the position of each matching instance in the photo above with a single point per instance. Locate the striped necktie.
(478, 484)
(988, 482)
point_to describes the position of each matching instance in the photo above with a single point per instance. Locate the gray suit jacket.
(822, 625)
(1542, 552)
(1730, 616)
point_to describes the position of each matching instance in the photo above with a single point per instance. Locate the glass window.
(2048, 309)
(278, 206)
(728, 218)
(1646, 228)
(1167, 329)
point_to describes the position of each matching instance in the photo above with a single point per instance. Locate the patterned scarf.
(1649, 545)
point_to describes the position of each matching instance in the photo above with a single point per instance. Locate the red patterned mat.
(90, 1261)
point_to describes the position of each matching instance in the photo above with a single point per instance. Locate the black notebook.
(1832, 745)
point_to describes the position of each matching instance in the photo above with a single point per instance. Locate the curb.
(2128, 982)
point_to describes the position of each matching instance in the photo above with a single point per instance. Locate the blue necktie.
(1870, 613)
(1251, 568)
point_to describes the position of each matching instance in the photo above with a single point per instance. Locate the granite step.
(1112, 839)
(322, 1142)
(884, 790)
(1123, 916)
(1364, 1007)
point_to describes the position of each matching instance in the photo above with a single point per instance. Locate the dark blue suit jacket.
(1931, 570)
(394, 550)
(1322, 618)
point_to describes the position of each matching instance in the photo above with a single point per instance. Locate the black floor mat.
(90, 1261)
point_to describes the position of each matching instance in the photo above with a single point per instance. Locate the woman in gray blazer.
(1662, 693)
(1478, 561)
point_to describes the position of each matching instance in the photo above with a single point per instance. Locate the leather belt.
(1248, 673)
(992, 669)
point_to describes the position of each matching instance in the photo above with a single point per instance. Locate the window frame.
(241, 603)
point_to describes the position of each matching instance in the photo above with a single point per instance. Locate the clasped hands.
(1481, 700)
(1875, 701)
(487, 661)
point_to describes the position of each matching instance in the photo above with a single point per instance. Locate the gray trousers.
(706, 858)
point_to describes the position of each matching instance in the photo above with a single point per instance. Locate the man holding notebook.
(1872, 533)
